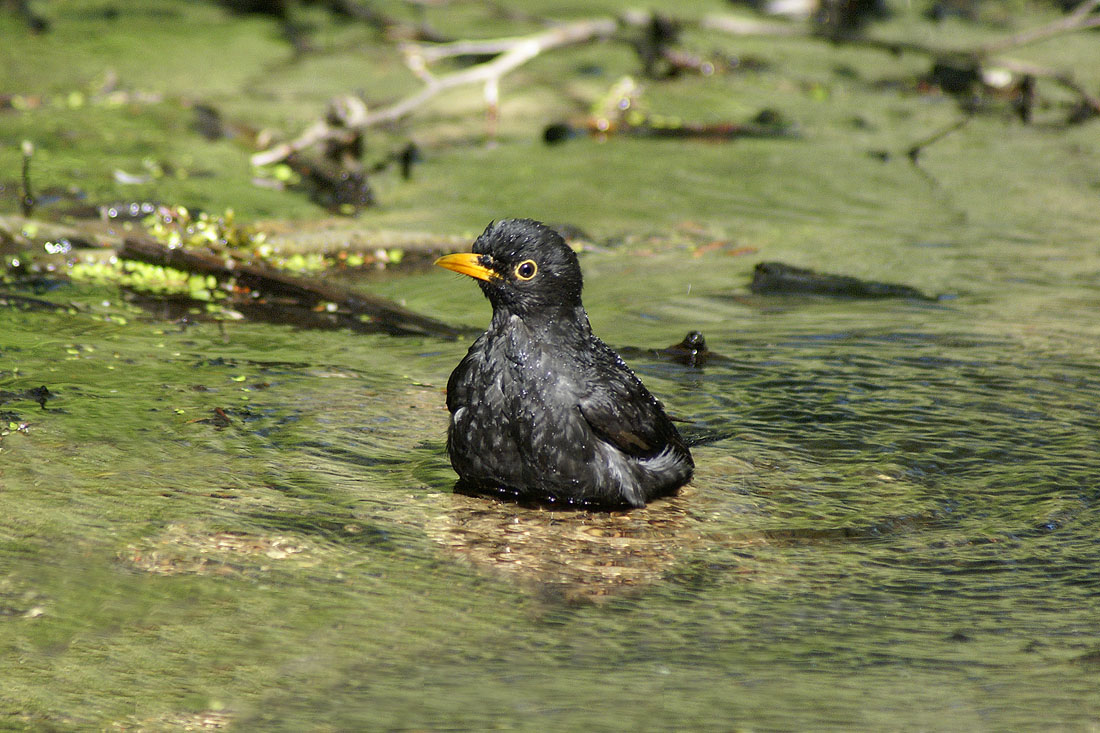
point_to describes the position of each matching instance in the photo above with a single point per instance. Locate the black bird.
(540, 407)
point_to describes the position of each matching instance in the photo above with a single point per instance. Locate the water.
(897, 532)
(900, 527)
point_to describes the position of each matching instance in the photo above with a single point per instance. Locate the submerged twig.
(29, 303)
(914, 151)
(389, 316)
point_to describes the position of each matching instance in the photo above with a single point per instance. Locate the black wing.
(622, 412)
(458, 385)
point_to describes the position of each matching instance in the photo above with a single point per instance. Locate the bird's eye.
(526, 269)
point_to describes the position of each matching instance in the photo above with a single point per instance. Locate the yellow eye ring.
(526, 270)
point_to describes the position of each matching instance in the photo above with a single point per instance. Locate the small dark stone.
(692, 351)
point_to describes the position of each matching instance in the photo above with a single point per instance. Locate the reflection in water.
(583, 554)
(587, 555)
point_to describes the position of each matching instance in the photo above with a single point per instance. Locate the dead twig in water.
(914, 151)
(388, 315)
(29, 303)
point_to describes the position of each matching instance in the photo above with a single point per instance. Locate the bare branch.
(512, 53)
(1081, 18)
(318, 132)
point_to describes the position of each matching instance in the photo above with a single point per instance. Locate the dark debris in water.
(219, 419)
(772, 126)
(26, 302)
(692, 352)
(35, 394)
(778, 278)
(339, 188)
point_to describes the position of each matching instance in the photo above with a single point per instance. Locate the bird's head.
(523, 266)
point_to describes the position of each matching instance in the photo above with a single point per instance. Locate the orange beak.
(467, 263)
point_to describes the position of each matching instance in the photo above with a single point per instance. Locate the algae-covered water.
(251, 526)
